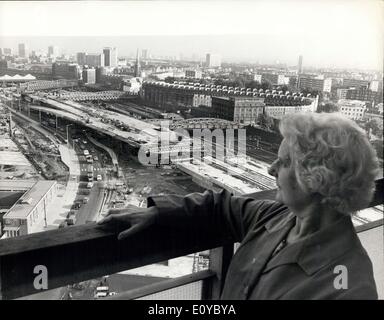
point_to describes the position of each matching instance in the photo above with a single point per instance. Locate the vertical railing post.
(1, 283)
(219, 260)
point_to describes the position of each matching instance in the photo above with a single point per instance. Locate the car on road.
(77, 205)
(84, 191)
(85, 199)
(99, 178)
(89, 185)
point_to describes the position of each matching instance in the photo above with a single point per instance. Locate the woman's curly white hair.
(331, 156)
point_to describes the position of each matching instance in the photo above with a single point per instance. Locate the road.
(89, 211)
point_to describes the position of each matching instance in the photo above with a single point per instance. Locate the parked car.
(77, 205)
(99, 178)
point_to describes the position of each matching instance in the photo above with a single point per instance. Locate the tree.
(265, 84)
(252, 84)
(328, 107)
(240, 82)
(220, 82)
(170, 79)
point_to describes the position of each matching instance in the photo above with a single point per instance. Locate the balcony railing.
(80, 253)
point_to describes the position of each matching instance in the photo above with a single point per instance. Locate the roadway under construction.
(221, 173)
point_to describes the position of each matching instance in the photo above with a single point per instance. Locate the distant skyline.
(346, 34)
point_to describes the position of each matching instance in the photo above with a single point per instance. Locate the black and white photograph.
(191, 150)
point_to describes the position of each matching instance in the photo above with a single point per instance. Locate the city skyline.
(326, 34)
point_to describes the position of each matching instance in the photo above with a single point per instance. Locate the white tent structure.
(17, 78)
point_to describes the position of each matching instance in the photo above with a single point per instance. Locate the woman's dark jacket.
(329, 264)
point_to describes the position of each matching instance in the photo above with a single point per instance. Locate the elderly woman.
(303, 245)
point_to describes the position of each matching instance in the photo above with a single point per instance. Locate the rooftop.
(351, 103)
(33, 196)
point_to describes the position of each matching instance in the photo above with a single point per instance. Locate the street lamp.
(67, 126)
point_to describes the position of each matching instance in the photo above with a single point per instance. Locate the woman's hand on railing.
(134, 218)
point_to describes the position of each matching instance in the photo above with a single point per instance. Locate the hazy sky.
(327, 33)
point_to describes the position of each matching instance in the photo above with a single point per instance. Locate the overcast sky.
(338, 33)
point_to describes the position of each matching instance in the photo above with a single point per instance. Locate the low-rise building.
(355, 83)
(278, 112)
(364, 94)
(311, 83)
(341, 93)
(257, 77)
(353, 109)
(202, 100)
(196, 74)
